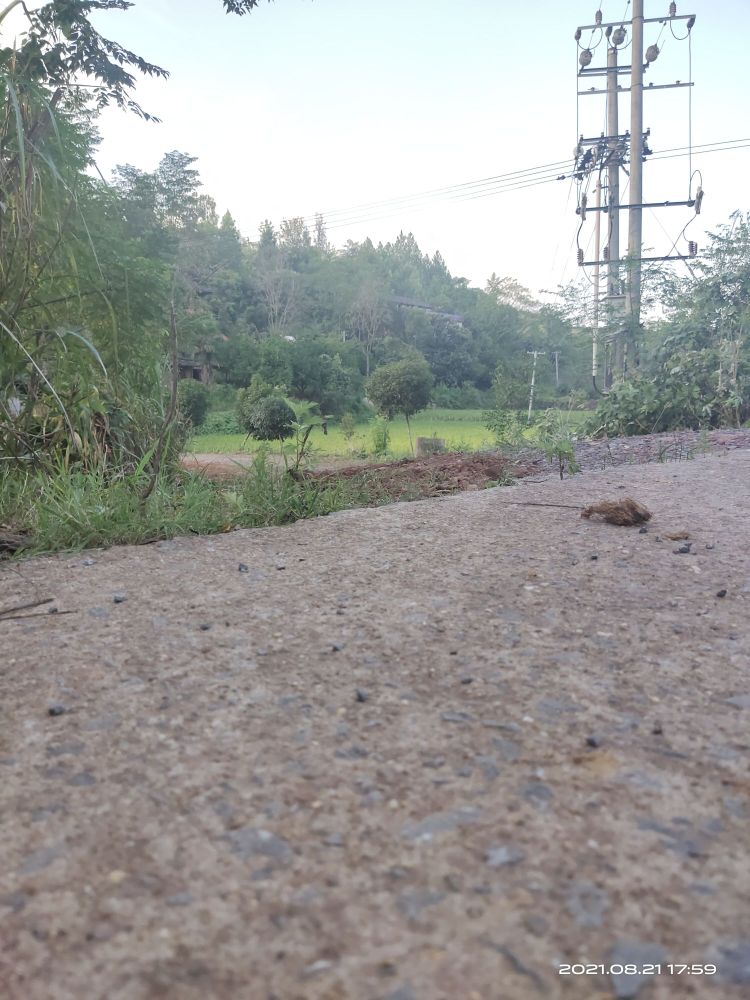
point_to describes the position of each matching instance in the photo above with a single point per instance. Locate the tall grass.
(77, 510)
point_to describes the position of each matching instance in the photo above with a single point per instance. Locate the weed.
(381, 436)
(76, 510)
(558, 441)
(507, 428)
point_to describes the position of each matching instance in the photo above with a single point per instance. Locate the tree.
(178, 202)
(241, 6)
(272, 419)
(81, 325)
(697, 372)
(277, 283)
(401, 387)
(510, 292)
(367, 316)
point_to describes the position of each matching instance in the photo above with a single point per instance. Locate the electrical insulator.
(584, 203)
(652, 53)
(585, 57)
(672, 9)
(579, 257)
(605, 253)
(698, 200)
(618, 36)
(692, 248)
(598, 17)
(578, 34)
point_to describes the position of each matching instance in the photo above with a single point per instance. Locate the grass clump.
(76, 510)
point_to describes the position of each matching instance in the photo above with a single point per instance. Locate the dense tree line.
(105, 285)
(290, 308)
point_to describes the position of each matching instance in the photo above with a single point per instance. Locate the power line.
(437, 192)
(389, 212)
(503, 183)
(515, 180)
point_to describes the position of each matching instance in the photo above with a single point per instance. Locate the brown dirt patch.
(407, 479)
(432, 476)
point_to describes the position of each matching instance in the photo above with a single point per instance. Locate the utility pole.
(597, 252)
(557, 369)
(614, 161)
(612, 152)
(533, 382)
(635, 213)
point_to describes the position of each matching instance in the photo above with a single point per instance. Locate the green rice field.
(462, 430)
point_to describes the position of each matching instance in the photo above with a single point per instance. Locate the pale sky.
(321, 105)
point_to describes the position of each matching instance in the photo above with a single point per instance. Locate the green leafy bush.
(272, 419)
(221, 398)
(506, 425)
(248, 399)
(466, 397)
(192, 398)
(224, 422)
(669, 400)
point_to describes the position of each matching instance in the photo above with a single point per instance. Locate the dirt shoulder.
(427, 751)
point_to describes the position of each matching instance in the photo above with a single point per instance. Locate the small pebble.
(721, 593)
(594, 556)
(243, 568)
(467, 680)
(643, 530)
(361, 695)
(56, 710)
(119, 599)
(657, 729)
(683, 549)
(593, 741)
(204, 627)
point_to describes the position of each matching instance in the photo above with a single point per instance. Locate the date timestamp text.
(647, 969)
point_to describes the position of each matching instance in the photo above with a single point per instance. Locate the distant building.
(400, 300)
(200, 367)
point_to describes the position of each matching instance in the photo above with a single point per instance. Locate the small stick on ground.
(25, 607)
(49, 614)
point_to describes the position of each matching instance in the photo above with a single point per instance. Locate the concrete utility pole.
(557, 369)
(597, 153)
(597, 253)
(635, 213)
(533, 382)
(614, 161)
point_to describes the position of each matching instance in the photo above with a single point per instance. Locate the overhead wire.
(467, 187)
(519, 180)
(389, 211)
